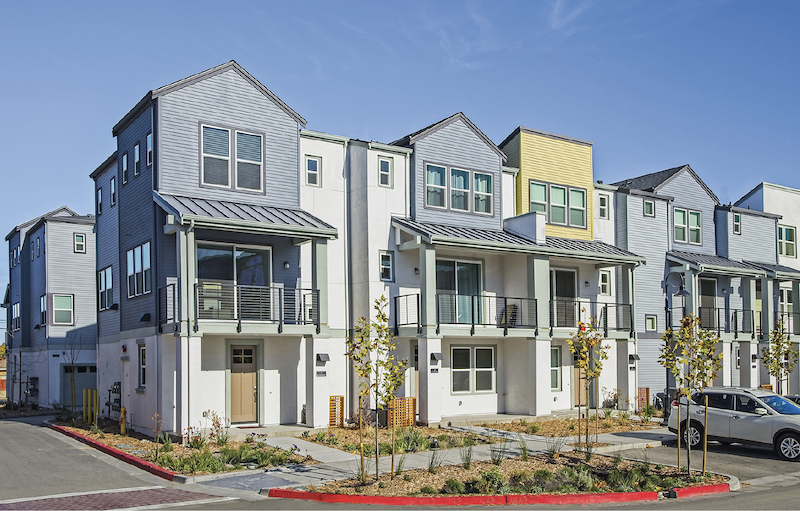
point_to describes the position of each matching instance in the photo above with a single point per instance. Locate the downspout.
(156, 243)
(188, 331)
(348, 303)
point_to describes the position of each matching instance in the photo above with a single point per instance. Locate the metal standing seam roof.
(712, 260)
(502, 236)
(229, 210)
(775, 268)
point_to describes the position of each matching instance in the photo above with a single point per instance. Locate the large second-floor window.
(62, 310)
(248, 161)
(217, 157)
(139, 270)
(483, 193)
(787, 241)
(458, 189)
(687, 226)
(562, 205)
(105, 293)
(435, 186)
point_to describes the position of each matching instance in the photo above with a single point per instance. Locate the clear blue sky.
(653, 84)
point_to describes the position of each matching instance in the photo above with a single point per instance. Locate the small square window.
(387, 266)
(650, 323)
(385, 172)
(62, 310)
(80, 243)
(602, 200)
(605, 282)
(737, 223)
(313, 171)
(649, 208)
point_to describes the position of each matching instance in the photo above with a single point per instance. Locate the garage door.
(85, 378)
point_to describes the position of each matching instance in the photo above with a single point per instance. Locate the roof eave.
(134, 112)
(104, 166)
(249, 226)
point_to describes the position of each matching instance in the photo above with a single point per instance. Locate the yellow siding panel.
(562, 162)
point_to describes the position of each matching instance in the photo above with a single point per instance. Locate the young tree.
(72, 350)
(691, 356)
(587, 345)
(380, 373)
(780, 356)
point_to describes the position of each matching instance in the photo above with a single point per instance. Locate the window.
(136, 167)
(313, 169)
(649, 208)
(124, 168)
(787, 241)
(248, 161)
(149, 149)
(555, 368)
(387, 269)
(473, 369)
(577, 208)
(139, 270)
(216, 156)
(558, 205)
(32, 253)
(62, 309)
(737, 223)
(538, 198)
(385, 171)
(43, 310)
(459, 189)
(15, 317)
(99, 201)
(38, 247)
(695, 229)
(650, 323)
(602, 200)
(605, 282)
(142, 358)
(738, 357)
(113, 183)
(79, 243)
(483, 193)
(105, 294)
(680, 225)
(435, 187)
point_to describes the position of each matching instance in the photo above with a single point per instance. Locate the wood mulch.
(514, 470)
(347, 438)
(571, 427)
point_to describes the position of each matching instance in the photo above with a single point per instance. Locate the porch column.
(539, 288)
(317, 382)
(748, 369)
(187, 377)
(319, 277)
(795, 307)
(747, 321)
(186, 259)
(724, 376)
(430, 343)
(628, 292)
(767, 307)
(427, 288)
(627, 377)
(692, 287)
(539, 376)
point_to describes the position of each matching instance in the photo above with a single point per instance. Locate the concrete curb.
(696, 491)
(120, 455)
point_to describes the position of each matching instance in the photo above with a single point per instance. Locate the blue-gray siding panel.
(757, 242)
(37, 282)
(107, 241)
(621, 220)
(457, 145)
(722, 228)
(226, 100)
(650, 372)
(690, 195)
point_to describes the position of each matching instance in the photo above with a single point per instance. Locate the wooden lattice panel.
(402, 411)
(642, 398)
(336, 413)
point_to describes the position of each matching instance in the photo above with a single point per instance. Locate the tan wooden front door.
(579, 390)
(244, 387)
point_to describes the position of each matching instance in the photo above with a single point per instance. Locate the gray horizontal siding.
(757, 242)
(37, 282)
(459, 146)
(226, 100)
(107, 241)
(689, 194)
(621, 220)
(651, 374)
(647, 237)
(512, 152)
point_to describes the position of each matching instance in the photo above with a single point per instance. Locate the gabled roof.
(62, 211)
(656, 180)
(103, 166)
(240, 216)
(777, 270)
(424, 132)
(504, 241)
(705, 263)
(747, 211)
(166, 89)
(532, 131)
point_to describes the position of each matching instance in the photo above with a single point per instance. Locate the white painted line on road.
(792, 478)
(175, 504)
(79, 493)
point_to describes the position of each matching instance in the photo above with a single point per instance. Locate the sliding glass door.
(457, 282)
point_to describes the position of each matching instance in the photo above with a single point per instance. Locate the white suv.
(748, 416)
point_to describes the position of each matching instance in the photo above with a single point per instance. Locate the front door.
(563, 292)
(578, 383)
(708, 304)
(244, 386)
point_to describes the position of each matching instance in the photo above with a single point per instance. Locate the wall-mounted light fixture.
(416, 271)
(436, 357)
(633, 357)
(286, 265)
(585, 283)
(323, 357)
(145, 317)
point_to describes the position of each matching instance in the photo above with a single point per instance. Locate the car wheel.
(788, 447)
(693, 434)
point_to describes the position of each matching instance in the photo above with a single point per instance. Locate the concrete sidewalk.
(338, 464)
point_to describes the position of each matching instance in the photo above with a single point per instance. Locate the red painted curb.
(695, 491)
(127, 458)
(466, 500)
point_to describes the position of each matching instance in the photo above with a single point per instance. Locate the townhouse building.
(50, 305)
(204, 258)
(713, 261)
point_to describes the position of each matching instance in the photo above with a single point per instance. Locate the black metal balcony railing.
(168, 305)
(732, 321)
(790, 322)
(498, 311)
(570, 313)
(284, 306)
(406, 312)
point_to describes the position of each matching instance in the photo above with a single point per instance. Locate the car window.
(722, 401)
(746, 404)
(781, 405)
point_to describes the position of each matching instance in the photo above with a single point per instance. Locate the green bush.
(543, 475)
(350, 447)
(428, 490)
(492, 481)
(454, 486)
(385, 447)
(533, 428)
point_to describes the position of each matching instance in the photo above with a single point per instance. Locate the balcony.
(473, 310)
(570, 313)
(721, 320)
(228, 302)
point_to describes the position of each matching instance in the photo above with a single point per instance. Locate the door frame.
(258, 344)
(481, 278)
(577, 297)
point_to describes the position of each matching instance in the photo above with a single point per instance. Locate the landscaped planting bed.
(567, 473)
(408, 439)
(572, 427)
(206, 456)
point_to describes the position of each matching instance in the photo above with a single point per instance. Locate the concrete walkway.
(338, 464)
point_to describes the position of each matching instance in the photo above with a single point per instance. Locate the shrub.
(533, 428)
(543, 475)
(554, 445)
(385, 448)
(428, 490)
(607, 412)
(518, 479)
(523, 448)
(492, 481)
(407, 477)
(319, 437)
(466, 456)
(498, 454)
(651, 483)
(454, 486)
(435, 459)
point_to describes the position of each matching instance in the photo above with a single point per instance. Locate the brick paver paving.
(116, 500)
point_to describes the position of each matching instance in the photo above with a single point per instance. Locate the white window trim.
(652, 207)
(472, 370)
(576, 208)
(685, 225)
(381, 266)
(79, 246)
(38, 246)
(113, 185)
(99, 201)
(737, 357)
(105, 289)
(565, 205)
(136, 159)
(444, 188)
(252, 162)
(389, 174)
(489, 194)
(467, 190)
(15, 322)
(699, 229)
(737, 223)
(141, 370)
(234, 247)
(546, 199)
(71, 310)
(602, 211)
(124, 168)
(318, 173)
(558, 370)
(647, 317)
(782, 242)
(149, 149)
(606, 273)
(133, 272)
(203, 157)
(43, 310)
